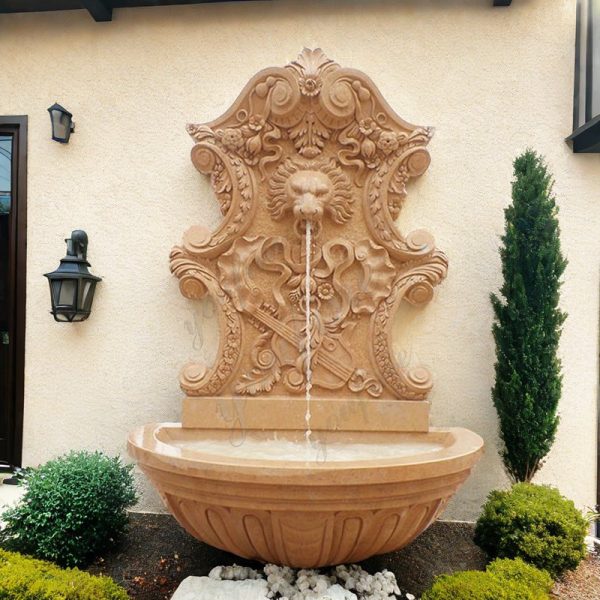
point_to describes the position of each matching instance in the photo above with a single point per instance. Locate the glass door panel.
(6, 297)
(594, 30)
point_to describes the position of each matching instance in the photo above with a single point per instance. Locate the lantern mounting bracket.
(77, 244)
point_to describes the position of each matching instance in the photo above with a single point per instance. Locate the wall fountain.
(306, 443)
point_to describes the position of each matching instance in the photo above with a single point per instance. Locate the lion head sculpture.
(309, 189)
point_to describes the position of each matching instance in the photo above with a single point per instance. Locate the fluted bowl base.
(304, 513)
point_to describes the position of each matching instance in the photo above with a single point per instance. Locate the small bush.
(534, 523)
(520, 572)
(23, 578)
(73, 508)
(503, 580)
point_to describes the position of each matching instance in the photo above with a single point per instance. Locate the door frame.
(17, 125)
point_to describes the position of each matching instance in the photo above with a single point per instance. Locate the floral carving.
(232, 139)
(325, 291)
(310, 86)
(305, 145)
(256, 123)
(368, 127)
(388, 142)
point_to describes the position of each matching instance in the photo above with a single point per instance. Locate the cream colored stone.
(305, 309)
(205, 588)
(304, 514)
(491, 81)
(290, 413)
(307, 269)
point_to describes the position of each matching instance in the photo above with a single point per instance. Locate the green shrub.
(528, 321)
(73, 508)
(503, 580)
(520, 572)
(23, 578)
(534, 523)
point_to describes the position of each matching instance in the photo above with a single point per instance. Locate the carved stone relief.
(311, 142)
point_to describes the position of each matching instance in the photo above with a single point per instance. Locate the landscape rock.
(283, 583)
(207, 588)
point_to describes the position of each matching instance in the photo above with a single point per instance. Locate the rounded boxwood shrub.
(504, 579)
(535, 523)
(518, 571)
(23, 578)
(73, 508)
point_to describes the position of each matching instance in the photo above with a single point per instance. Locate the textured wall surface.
(491, 81)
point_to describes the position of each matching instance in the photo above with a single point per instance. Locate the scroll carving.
(309, 143)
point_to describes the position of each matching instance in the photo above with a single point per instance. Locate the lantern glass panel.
(87, 286)
(81, 295)
(60, 124)
(68, 291)
(55, 291)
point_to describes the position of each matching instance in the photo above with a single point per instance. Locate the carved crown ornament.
(316, 143)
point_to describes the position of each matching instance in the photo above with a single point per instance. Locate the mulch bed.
(157, 554)
(582, 584)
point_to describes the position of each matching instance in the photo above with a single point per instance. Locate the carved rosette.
(310, 144)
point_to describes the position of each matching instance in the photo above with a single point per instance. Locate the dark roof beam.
(99, 9)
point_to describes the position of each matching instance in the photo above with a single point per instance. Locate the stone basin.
(351, 496)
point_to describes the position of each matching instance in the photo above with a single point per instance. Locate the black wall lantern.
(72, 286)
(62, 123)
(586, 108)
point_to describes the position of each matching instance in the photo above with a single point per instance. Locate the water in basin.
(301, 451)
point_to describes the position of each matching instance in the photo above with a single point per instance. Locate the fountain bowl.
(362, 493)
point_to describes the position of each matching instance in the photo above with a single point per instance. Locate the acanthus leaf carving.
(265, 372)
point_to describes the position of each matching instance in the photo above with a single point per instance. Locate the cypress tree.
(528, 321)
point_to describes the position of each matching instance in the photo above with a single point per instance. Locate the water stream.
(308, 330)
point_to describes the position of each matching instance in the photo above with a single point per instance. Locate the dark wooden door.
(13, 155)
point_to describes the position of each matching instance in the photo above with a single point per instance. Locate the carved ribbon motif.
(314, 143)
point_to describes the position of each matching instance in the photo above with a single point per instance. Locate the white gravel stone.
(337, 592)
(206, 588)
(282, 583)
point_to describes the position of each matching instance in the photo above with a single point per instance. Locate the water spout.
(308, 331)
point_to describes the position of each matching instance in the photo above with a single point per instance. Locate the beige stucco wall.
(491, 81)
